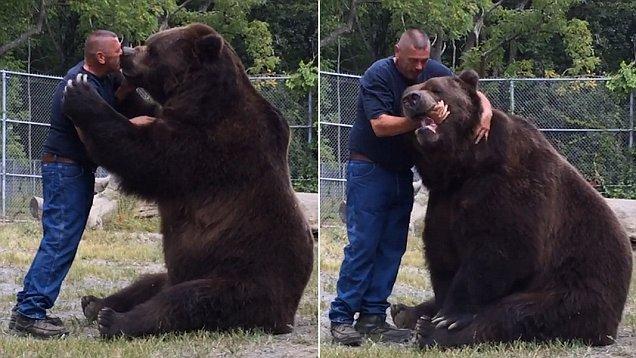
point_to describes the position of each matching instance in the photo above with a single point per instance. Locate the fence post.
(631, 120)
(311, 115)
(341, 173)
(512, 96)
(4, 144)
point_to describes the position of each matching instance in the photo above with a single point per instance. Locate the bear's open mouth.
(427, 122)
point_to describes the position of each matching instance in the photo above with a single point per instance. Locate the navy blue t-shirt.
(62, 138)
(381, 89)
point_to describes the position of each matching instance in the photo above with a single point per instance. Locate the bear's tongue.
(428, 123)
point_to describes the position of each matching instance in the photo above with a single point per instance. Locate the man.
(68, 180)
(380, 190)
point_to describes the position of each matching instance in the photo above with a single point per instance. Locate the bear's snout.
(417, 103)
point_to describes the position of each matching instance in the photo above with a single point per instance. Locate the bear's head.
(178, 59)
(459, 93)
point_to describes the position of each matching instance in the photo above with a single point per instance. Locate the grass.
(413, 285)
(108, 260)
(193, 344)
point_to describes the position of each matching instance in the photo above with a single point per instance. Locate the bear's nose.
(413, 99)
(127, 51)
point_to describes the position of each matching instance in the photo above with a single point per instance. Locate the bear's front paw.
(109, 323)
(79, 100)
(403, 316)
(91, 306)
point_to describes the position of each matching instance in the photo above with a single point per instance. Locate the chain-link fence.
(590, 126)
(26, 111)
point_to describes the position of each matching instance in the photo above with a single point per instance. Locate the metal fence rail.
(26, 106)
(590, 126)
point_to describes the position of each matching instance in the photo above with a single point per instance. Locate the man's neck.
(93, 70)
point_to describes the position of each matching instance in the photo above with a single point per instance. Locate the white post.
(4, 144)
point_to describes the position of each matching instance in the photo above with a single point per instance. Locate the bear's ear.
(470, 77)
(208, 47)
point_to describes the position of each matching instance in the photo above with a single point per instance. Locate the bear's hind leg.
(144, 288)
(539, 316)
(215, 304)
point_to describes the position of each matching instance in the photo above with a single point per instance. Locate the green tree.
(498, 38)
(47, 35)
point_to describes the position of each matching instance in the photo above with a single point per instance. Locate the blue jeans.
(68, 196)
(379, 204)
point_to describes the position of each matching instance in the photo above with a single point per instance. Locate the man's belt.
(359, 156)
(54, 158)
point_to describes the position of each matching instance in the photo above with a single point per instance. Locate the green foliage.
(9, 62)
(247, 25)
(613, 24)
(451, 19)
(15, 148)
(516, 38)
(519, 69)
(305, 79)
(624, 81)
(134, 19)
(304, 155)
(293, 25)
(258, 42)
(578, 46)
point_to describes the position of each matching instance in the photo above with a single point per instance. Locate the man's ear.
(470, 77)
(208, 47)
(101, 59)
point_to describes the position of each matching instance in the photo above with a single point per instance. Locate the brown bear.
(238, 250)
(517, 243)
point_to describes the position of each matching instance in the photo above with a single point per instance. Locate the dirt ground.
(107, 261)
(413, 286)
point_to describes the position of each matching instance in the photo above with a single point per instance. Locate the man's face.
(411, 61)
(109, 58)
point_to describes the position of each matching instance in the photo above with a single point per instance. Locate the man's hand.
(484, 121)
(142, 121)
(439, 113)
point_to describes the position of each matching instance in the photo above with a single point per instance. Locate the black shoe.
(376, 328)
(40, 328)
(56, 321)
(345, 334)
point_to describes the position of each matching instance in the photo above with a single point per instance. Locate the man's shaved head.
(97, 41)
(416, 38)
(101, 52)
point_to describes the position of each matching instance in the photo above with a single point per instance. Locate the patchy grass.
(413, 286)
(108, 260)
(123, 220)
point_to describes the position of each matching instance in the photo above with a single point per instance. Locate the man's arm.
(386, 125)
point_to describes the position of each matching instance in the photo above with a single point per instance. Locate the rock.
(105, 206)
(309, 206)
(625, 210)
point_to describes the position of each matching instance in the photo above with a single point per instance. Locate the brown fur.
(237, 248)
(518, 244)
